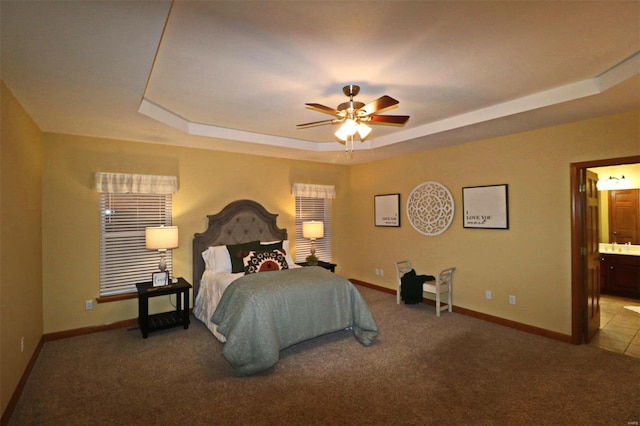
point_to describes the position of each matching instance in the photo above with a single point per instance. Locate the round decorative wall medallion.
(430, 208)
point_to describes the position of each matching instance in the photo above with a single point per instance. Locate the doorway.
(582, 296)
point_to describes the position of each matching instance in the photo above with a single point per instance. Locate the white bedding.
(212, 286)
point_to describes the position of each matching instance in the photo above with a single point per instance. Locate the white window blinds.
(313, 202)
(126, 209)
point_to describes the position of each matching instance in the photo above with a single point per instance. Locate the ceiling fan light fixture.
(363, 130)
(354, 114)
(348, 128)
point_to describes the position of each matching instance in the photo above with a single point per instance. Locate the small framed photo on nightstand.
(160, 278)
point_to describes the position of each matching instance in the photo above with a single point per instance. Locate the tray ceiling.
(235, 75)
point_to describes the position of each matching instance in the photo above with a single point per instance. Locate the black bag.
(411, 286)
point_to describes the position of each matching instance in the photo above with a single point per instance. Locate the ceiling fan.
(354, 115)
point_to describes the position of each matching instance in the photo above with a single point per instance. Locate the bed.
(257, 315)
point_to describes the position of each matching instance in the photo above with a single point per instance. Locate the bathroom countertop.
(627, 250)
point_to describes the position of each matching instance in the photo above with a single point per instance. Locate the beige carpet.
(423, 370)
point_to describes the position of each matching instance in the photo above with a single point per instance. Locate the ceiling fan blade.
(317, 123)
(378, 105)
(325, 109)
(389, 119)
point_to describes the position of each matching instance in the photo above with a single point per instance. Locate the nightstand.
(325, 265)
(161, 321)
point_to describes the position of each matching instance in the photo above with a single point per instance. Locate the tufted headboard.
(241, 221)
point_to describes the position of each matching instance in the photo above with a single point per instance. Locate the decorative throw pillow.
(264, 261)
(275, 245)
(237, 252)
(272, 245)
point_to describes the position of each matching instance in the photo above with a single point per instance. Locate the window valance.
(310, 190)
(124, 183)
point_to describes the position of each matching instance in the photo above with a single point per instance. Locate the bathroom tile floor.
(619, 327)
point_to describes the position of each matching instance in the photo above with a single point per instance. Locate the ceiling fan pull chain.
(348, 148)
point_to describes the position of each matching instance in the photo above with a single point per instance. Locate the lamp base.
(163, 264)
(312, 260)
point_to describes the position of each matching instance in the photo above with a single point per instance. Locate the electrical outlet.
(512, 300)
(382, 272)
(487, 294)
(22, 345)
(377, 271)
(88, 305)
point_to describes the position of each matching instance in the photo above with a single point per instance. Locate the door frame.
(578, 289)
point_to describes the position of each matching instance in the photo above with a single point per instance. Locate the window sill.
(117, 297)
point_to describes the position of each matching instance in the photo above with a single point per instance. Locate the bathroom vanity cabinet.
(620, 275)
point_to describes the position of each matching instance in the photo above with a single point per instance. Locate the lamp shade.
(363, 130)
(313, 229)
(161, 237)
(347, 129)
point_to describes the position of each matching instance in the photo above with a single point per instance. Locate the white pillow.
(223, 260)
(285, 247)
(217, 259)
(209, 259)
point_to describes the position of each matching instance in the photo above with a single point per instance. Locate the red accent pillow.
(265, 261)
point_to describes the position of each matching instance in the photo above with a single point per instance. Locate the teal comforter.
(261, 314)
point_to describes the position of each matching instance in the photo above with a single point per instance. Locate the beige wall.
(20, 243)
(208, 180)
(532, 259)
(43, 286)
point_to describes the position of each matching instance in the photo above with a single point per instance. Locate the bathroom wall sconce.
(613, 183)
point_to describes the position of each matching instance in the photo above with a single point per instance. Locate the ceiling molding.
(589, 87)
(226, 77)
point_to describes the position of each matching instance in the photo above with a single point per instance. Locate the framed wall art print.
(387, 210)
(486, 207)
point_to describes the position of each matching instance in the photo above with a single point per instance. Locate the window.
(124, 259)
(130, 203)
(318, 209)
(313, 202)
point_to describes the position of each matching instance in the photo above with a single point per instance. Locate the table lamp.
(312, 230)
(161, 238)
